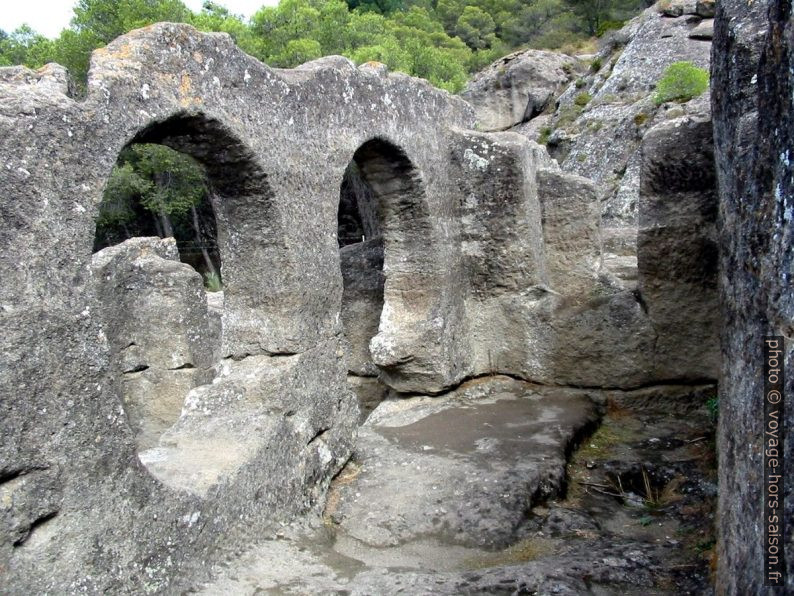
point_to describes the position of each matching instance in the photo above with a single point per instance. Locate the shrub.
(596, 64)
(212, 282)
(640, 119)
(583, 99)
(545, 134)
(607, 26)
(681, 82)
(580, 82)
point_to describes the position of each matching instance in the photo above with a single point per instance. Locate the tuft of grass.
(681, 82)
(545, 135)
(582, 99)
(212, 282)
(596, 64)
(580, 83)
(603, 440)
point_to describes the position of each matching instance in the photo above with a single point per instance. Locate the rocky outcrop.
(490, 263)
(754, 133)
(518, 87)
(601, 117)
(228, 468)
(154, 315)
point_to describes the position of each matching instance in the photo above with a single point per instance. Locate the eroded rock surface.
(677, 247)
(602, 116)
(154, 314)
(518, 87)
(412, 534)
(462, 469)
(753, 111)
(473, 284)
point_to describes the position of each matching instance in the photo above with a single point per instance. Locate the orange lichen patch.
(119, 52)
(374, 64)
(185, 85)
(348, 474)
(186, 97)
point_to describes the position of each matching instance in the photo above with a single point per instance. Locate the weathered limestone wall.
(677, 253)
(753, 108)
(473, 283)
(80, 511)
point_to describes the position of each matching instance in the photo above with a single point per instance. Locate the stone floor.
(481, 491)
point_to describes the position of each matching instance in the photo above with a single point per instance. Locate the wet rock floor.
(503, 487)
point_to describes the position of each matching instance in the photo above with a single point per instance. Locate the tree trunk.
(168, 229)
(158, 227)
(200, 242)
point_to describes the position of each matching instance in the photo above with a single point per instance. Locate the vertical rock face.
(154, 313)
(677, 247)
(362, 301)
(753, 81)
(571, 220)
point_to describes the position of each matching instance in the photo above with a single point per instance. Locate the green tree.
(24, 46)
(107, 19)
(298, 51)
(594, 13)
(476, 28)
(383, 7)
(153, 186)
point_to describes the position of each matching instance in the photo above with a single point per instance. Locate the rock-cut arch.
(249, 236)
(388, 263)
(143, 289)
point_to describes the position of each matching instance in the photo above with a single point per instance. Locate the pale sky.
(48, 17)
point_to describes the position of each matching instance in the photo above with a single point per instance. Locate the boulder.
(518, 87)
(676, 8)
(706, 8)
(154, 313)
(704, 30)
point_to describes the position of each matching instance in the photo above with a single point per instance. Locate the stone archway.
(144, 289)
(384, 237)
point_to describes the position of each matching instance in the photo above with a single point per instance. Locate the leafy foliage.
(212, 282)
(582, 99)
(149, 181)
(441, 40)
(154, 190)
(681, 82)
